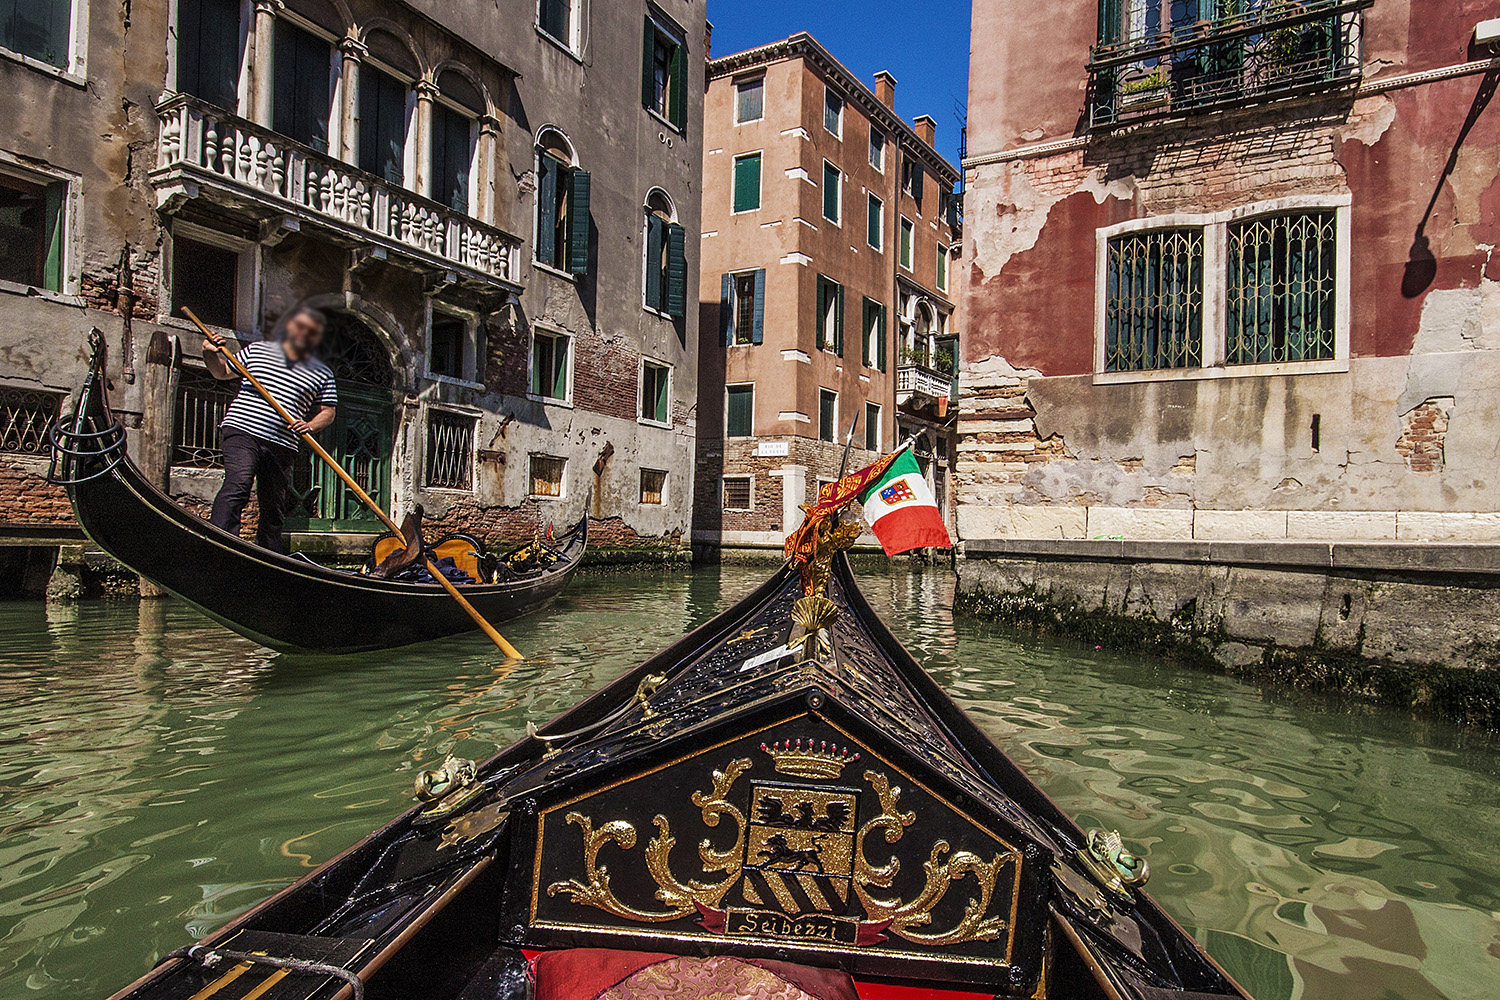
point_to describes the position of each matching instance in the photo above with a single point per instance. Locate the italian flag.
(900, 509)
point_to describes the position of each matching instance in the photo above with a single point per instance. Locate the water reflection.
(159, 775)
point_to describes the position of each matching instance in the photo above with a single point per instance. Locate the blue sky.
(925, 44)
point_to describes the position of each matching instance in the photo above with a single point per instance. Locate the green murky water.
(158, 775)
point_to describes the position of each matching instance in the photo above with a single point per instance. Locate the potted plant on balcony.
(1146, 91)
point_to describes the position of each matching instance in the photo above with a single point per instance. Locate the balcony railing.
(1253, 50)
(202, 147)
(922, 382)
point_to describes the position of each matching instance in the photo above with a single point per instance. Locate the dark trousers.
(248, 458)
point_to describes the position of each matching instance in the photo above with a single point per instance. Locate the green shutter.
(747, 183)
(52, 262)
(541, 364)
(546, 209)
(578, 222)
(726, 309)
(916, 181)
(822, 312)
(1109, 21)
(676, 271)
(648, 65)
(838, 320)
(873, 236)
(757, 329)
(654, 234)
(830, 192)
(880, 340)
(867, 332)
(560, 368)
(662, 381)
(676, 100)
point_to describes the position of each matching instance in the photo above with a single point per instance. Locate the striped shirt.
(301, 387)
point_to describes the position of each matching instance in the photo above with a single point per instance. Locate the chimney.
(885, 88)
(926, 128)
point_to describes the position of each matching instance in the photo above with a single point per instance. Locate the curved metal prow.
(90, 442)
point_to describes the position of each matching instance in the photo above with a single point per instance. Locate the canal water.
(158, 775)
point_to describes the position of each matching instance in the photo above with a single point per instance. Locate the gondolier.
(259, 446)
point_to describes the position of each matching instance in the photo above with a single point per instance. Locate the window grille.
(26, 418)
(1281, 299)
(450, 450)
(1154, 300)
(736, 492)
(653, 486)
(197, 440)
(547, 475)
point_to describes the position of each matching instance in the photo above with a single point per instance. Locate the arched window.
(562, 205)
(454, 131)
(386, 105)
(666, 257)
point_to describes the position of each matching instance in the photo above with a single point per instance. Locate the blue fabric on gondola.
(445, 566)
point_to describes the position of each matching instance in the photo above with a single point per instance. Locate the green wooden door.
(360, 438)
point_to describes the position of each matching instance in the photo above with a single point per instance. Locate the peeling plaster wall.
(1047, 452)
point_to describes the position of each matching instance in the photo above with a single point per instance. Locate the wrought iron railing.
(1159, 57)
(201, 145)
(26, 418)
(450, 450)
(197, 441)
(1281, 290)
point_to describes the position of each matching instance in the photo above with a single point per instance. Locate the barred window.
(450, 450)
(1281, 302)
(547, 475)
(736, 492)
(26, 418)
(1154, 300)
(197, 440)
(653, 486)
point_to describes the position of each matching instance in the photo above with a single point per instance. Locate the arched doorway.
(360, 438)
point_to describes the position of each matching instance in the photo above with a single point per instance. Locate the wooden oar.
(365, 498)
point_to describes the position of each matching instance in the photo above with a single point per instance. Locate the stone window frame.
(571, 45)
(831, 169)
(472, 414)
(739, 385)
(76, 71)
(760, 185)
(248, 307)
(473, 346)
(724, 500)
(544, 329)
(562, 476)
(640, 388)
(42, 174)
(829, 95)
(1215, 226)
(876, 202)
(744, 81)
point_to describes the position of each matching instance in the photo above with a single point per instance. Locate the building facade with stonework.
(1232, 272)
(830, 243)
(507, 284)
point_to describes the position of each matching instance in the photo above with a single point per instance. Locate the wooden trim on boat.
(1100, 974)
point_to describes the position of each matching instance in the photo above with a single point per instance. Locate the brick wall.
(28, 499)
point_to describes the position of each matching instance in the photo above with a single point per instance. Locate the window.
(664, 74)
(208, 50)
(950, 208)
(1153, 315)
(739, 410)
(547, 475)
(26, 419)
(833, 112)
(205, 278)
(32, 232)
(830, 316)
(41, 29)
(656, 380)
(904, 250)
(549, 365)
(877, 149)
(447, 343)
(828, 415)
(742, 307)
(737, 493)
(874, 334)
(383, 118)
(872, 426)
(1281, 304)
(911, 180)
(747, 182)
(666, 259)
(833, 193)
(942, 268)
(197, 440)
(653, 487)
(562, 206)
(749, 101)
(301, 90)
(875, 224)
(450, 450)
(452, 156)
(555, 17)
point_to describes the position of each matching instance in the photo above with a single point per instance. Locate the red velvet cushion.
(585, 973)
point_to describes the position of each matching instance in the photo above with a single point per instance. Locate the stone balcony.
(264, 177)
(918, 385)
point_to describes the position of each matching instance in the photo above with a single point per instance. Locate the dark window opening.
(383, 122)
(31, 232)
(40, 29)
(446, 345)
(828, 402)
(736, 492)
(205, 278)
(872, 427)
(555, 17)
(549, 366)
(208, 50)
(664, 75)
(655, 402)
(452, 157)
(302, 91)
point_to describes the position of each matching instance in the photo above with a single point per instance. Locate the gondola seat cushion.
(606, 974)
